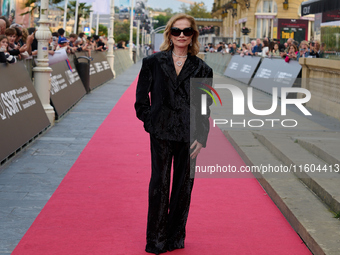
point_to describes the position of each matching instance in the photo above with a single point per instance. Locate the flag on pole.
(98, 6)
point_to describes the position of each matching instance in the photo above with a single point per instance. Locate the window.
(266, 6)
(265, 12)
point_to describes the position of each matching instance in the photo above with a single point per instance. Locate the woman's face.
(276, 47)
(291, 49)
(11, 38)
(4, 43)
(181, 41)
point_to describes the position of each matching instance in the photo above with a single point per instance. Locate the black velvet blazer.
(163, 98)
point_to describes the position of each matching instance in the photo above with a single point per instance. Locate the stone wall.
(322, 78)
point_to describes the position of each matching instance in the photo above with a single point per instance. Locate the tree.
(34, 5)
(162, 20)
(197, 10)
(168, 11)
(122, 32)
(83, 11)
(102, 30)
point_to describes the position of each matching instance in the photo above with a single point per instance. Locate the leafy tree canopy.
(197, 10)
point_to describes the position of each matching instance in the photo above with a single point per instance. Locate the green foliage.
(102, 30)
(197, 10)
(83, 11)
(162, 20)
(122, 32)
(329, 36)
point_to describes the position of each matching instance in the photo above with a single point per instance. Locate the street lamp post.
(131, 31)
(97, 27)
(91, 20)
(137, 44)
(76, 18)
(42, 72)
(110, 56)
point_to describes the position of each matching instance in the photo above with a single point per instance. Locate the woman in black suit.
(167, 116)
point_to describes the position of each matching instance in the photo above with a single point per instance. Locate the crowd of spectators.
(18, 42)
(271, 48)
(206, 30)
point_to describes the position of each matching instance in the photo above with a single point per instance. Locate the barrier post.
(110, 56)
(42, 72)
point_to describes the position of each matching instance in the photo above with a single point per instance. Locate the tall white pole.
(131, 31)
(76, 18)
(143, 39)
(97, 27)
(137, 44)
(65, 14)
(91, 20)
(42, 72)
(110, 56)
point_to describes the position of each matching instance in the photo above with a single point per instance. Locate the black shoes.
(172, 246)
(169, 247)
(155, 250)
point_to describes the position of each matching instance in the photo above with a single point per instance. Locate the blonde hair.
(304, 42)
(165, 46)
(24, 34)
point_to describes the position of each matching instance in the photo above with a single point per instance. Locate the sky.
(174, 4)
(103, 6)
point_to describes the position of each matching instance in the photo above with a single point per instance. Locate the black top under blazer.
(166, 112)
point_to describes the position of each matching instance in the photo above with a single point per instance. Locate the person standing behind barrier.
(220, 47)
(7, 24)
(258, 47)
(100, 46)
(265, 49)
(32, 42)
(72, 40)
(275, 52)
(249, 50)
(289, 42)
(244, 51)
(14, 49)
(61, 33)
(89, 46)
(233, 49)
(2, 27)
(64, 44)
(5, 57)
(82, 36)
(166, 76)
(292, 53)
(314, 49)
(303, 51)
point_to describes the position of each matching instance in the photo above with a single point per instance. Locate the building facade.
(275, 19)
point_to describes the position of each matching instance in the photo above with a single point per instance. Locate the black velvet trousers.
(167, 217)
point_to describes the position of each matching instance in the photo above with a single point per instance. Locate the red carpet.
(101, 205)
